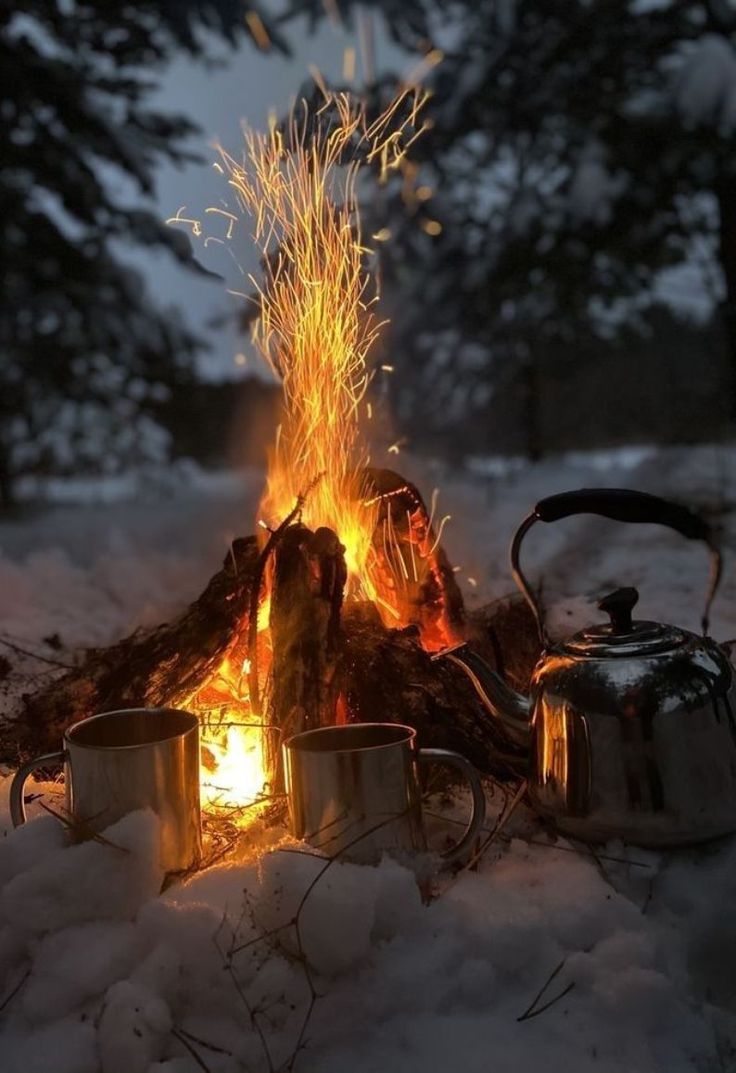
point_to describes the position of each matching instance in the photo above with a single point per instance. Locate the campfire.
(337, 530)
(331, 612)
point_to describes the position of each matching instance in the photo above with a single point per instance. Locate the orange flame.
(316, 325)
(317, 318)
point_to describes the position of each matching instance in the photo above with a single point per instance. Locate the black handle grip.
(621, 505)
(624, 505)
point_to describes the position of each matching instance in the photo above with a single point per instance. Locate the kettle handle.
(622, 505)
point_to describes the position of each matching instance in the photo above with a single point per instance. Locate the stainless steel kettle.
(630, 726)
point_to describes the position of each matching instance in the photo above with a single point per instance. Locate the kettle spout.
(511, 710)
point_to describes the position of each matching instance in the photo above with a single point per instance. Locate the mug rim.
(70, 736)
(296, 742)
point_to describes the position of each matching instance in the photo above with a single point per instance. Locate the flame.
(316, 325)
(317, 317)
(232, 773)
(233, 768)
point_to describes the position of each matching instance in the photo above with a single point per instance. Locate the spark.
(432, 227)
(433, 506)
(348, 64)
(387, 368)
(229, 216)
(424, 193)
(411, 546)
(438, 537)
(432, 59)
(258, 30)
(195, 225)
(473, 582)
(317, 319)
(383, 235)
(240, 359)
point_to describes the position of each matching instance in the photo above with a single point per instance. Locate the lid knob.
(619, 605)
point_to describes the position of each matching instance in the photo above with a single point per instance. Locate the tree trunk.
(726, 194)
(7, 484)
(533, 406)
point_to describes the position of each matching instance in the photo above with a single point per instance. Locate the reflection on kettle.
(629, 726)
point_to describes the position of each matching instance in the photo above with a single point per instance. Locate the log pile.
(330, 661)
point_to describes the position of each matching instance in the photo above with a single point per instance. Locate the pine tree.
(83, 348)
(578, 148)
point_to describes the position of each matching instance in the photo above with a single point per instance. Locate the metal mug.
(117, 762)
(353, 791)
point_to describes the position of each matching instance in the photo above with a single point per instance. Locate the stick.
(255, 596)
(14, 991)
(500, 823)
(542, 845)
(532, 1009)
(195, 1054)
(34, 655)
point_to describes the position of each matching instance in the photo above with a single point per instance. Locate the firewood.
(379, 673)
(308, 580)
(162, 667)
(414, 564)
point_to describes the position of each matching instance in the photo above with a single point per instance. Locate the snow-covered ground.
(98, 971)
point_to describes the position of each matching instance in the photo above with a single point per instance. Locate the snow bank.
(101, 973)
(113, 977)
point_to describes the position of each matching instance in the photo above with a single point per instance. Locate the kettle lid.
(623, 636)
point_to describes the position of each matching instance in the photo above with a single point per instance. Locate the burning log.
(327, 665)
(163, 667)
(312, 660)
(308, 581)
(414, 566)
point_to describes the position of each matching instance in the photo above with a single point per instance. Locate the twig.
(543, 845)
(20, 651)
(301, 957)
(252, 1013)
(500, 823)
(203, 1042)
(14, 991)
(259, 938)
(194, 1053)
(546, 1006)
(532, 1009)
(79, 827)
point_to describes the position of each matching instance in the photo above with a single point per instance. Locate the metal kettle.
(629, 726)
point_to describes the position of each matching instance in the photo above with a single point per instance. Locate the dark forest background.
(579, 151)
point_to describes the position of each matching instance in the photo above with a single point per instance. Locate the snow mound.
(101, 973)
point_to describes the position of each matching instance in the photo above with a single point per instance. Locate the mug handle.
(478, 815)
(17, 804)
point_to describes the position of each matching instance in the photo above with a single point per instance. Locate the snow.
(101, 972)
(705, 91)
(593, 189)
